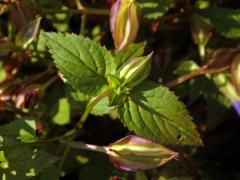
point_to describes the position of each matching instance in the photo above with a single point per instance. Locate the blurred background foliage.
(182, 34)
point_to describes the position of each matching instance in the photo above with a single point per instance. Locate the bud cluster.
(130, 75)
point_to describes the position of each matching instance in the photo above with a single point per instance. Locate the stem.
(193, 74)
(81, 145)
(83, 24)
(41, 75)
(36, 143)
(89, 107)
(49, 82)
(64, 156)
(202, 51)
(10, 107)
(78, 126)
(72, 132)
(90, 11)
(79, 5)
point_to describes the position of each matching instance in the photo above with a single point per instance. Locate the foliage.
(124, 89)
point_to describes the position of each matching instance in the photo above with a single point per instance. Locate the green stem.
(89, 107)
(202, 51)
(83, 24)
(41, 75)
(49, 82)
(64, 156)
(70, 134)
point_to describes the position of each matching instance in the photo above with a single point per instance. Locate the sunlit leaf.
(155, 113)
(84, 63)
(62, 117)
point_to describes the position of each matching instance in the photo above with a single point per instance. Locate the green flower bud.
(124, 22)
(134, 153)
(201, 33)
(235, 73)
(28, 33)
(135, 71)
(226, 87)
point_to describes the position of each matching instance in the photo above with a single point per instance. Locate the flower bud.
(134, 153)
(28, 33)
(235, 73)
(226, 87)
(29, 96)
(135, 71)
(201, 33)
(124, 22)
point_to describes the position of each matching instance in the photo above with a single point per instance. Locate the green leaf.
(97, 166)
(23, 130)
(226, 21)
(124, 55)
(18, 158)
(154, 9)
(102, 107)
(26, 162)
(3, 73)
(84, 63)
(186, 67)
(51, 173)
(153, 112)
(62, 117)
(77, 100)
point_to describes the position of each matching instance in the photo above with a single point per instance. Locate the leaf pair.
(150, 110)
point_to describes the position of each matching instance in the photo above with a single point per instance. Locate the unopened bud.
(201, 33)
(226, 87)
(124, 22)
(235, 73)
(28, 34)
(134, 153)
(29, 96)
(135, 71)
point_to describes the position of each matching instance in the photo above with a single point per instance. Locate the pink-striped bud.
(124, 22)
(134, 153)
